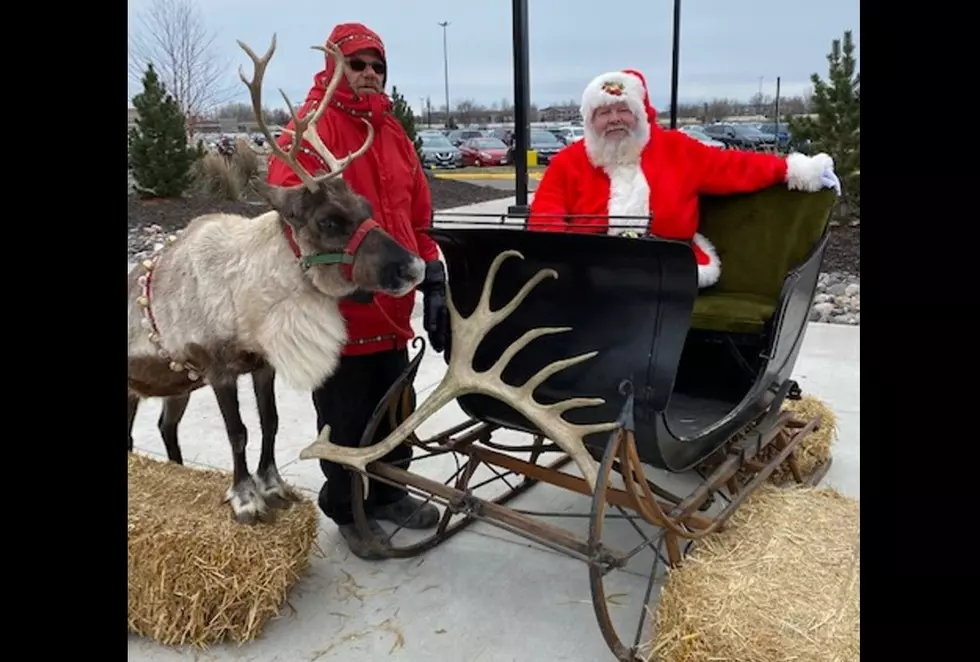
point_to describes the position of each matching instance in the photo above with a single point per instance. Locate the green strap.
(308, 261)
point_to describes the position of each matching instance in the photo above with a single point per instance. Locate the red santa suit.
(655, 173)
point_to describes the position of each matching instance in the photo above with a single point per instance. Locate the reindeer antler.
(305, 127)
(462, 379)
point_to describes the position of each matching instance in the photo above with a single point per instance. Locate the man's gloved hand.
(359, 296)
(435, 315)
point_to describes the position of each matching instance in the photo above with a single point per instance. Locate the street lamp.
(522, 106)
(675, 62)
(445, 61)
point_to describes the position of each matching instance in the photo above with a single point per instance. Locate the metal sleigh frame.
(624, 431)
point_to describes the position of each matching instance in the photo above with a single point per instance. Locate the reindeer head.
(343, 248)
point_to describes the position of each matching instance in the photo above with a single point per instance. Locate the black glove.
(435, 315)
(359, 296)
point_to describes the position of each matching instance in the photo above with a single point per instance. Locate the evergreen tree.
(404, 113)
(161, 159)
(836, 129)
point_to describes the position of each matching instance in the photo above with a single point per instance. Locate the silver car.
(698, 134)
(438, 152)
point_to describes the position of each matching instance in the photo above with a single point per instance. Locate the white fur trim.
(633, 94)
(708, 274)
(629, 195)
(803, 172)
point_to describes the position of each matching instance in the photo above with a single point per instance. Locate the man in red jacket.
(628, 166)
(392, 180)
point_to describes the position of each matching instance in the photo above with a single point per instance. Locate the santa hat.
(612, 87)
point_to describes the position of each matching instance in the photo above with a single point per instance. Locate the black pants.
(346, 402)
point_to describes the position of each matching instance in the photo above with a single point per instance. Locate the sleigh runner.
(602, 351)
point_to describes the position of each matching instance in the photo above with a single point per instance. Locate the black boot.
(369, 548)
(408, 512)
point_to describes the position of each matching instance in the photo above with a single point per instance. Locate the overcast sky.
(726, 46)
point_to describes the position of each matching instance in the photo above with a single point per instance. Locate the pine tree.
(403, 112)
(161, 159)
(836, 130)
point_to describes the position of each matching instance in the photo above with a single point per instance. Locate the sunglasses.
(361, 65)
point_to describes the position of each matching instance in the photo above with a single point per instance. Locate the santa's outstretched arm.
(550, 208)
(731, 171)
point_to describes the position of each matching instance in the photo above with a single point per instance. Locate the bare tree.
(172, 36)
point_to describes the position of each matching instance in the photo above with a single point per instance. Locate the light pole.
(675, 64)
(445, 61)
(522, 106)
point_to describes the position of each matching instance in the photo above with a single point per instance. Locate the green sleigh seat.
(760, 238)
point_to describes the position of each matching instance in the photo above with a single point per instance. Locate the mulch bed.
(843, 252)
(174, 214)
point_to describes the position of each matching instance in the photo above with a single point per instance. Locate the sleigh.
(594, 364)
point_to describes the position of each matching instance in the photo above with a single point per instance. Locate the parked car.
(501, 133)
(780, 133)
(740, 136)
(570, 134)
(545, 144)
(484, 151)
(438, 152)
(458, 136)
(698, 134)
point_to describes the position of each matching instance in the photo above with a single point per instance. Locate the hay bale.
(815, 448)
(782, 582)
(195, 575)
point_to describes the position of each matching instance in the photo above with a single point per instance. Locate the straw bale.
(782, 582)
(812, 451)
(815, 448)
(195, 575)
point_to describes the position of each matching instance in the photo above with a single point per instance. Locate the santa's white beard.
(617, 149)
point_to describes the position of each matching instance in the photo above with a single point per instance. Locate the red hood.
(350, 38)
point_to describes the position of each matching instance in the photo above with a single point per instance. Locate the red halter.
(344, 258)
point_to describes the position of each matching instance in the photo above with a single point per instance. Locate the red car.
(481, 152)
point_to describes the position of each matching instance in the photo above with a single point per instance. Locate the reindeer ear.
(284, 199)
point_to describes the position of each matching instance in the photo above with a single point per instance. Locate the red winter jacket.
(388, 175)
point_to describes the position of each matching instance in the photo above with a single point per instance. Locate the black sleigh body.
(704, 365)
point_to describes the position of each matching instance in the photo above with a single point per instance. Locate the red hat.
(627, 85)
(353, 37)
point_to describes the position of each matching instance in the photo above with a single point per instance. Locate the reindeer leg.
(271, 485)
(134, 404)
(173, 412)
(244, 496)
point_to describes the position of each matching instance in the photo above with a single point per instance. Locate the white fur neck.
(301, 331)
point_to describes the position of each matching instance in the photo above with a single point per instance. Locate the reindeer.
(236, 295)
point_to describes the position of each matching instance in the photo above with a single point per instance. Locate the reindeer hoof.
(274, 490)
(247, 503)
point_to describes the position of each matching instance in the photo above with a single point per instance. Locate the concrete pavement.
(484, 596)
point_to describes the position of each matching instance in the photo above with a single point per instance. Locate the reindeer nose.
(413, 270)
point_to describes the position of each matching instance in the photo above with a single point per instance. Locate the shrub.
(229, 178)
(159, 154)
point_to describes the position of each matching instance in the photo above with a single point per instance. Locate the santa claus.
(627, 166)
